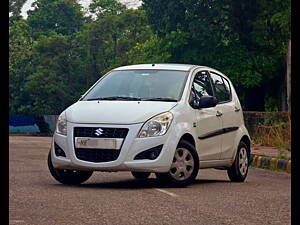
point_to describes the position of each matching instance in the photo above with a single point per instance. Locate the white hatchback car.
(170, 119)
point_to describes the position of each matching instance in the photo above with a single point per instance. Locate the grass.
(276, 135)
(282, 155)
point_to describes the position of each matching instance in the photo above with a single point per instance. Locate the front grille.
(106, 132)
(97, 155)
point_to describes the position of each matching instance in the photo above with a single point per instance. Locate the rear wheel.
(239, 169)
(66, 176)
(140, 175)
(184, 167)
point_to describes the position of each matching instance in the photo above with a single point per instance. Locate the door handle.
(236, 109)
(219, 113)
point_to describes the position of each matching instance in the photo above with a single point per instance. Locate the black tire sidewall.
(234, 171)
(67, 177)
(52, 170)
(166, 177)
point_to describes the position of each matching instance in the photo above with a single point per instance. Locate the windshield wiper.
(132, 99)
(115, 98)
(160, 99)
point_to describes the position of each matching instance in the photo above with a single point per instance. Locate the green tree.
(156, 49)
(55, 16)
(20, 58)
(244, 39)
(52, 85)
(102, 8)
(15, 7)
(63, 62)
(108, 39)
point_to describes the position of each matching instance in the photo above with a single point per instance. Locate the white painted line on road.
(166, 192)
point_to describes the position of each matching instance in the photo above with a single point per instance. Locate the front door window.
(202, 84)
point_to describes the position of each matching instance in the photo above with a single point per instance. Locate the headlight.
(61, 125)
(157, 125)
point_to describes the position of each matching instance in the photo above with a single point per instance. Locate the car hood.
(115, 112)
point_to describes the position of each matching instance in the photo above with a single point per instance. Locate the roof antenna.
(153, 64)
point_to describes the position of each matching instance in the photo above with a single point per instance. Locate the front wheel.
(184, 167)
(66, 176)
(239, 169)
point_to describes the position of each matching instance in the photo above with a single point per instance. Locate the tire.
(66, 176)
(140, 175)
(184, 168)
(239, 169)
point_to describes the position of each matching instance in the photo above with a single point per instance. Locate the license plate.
(98, 143)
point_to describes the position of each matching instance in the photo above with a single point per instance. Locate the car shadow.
(141, 184)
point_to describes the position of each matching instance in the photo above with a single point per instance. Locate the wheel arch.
(247, 141)
(242, 135)
(188, 137)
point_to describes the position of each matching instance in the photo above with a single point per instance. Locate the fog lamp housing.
(151, 153)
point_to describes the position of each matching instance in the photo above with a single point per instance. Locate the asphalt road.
(117, 198)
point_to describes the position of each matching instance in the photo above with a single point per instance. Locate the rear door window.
(221, 88)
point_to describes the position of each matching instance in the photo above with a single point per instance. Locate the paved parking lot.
(117, 198)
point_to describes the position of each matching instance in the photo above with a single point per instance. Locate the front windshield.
(156, 85)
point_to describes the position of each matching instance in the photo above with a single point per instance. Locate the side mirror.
(207, 102)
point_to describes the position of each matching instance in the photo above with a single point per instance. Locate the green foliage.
(109, 39)
(62, 67)
(148, 52)
(58, 53)
(103, 8)
(271, 104)
(244, 39)
(55, 16)
(165, 16)
(15, 7)
(20, 58)
(51, 82)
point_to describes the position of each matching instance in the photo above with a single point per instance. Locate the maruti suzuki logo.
(98, 132)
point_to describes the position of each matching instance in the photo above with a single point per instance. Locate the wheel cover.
(243, 161)
(183, 164)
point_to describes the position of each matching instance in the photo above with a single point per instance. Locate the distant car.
(170, 119)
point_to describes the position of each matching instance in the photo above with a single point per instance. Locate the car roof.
(160, 66)
(167, 66)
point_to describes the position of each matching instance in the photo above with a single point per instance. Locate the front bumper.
(130, 148)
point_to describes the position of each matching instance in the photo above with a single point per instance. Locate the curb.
(270, 163)
(31, 134)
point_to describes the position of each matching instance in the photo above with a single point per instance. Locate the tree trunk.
(43, 126)
(288, 76)
(283, 97)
